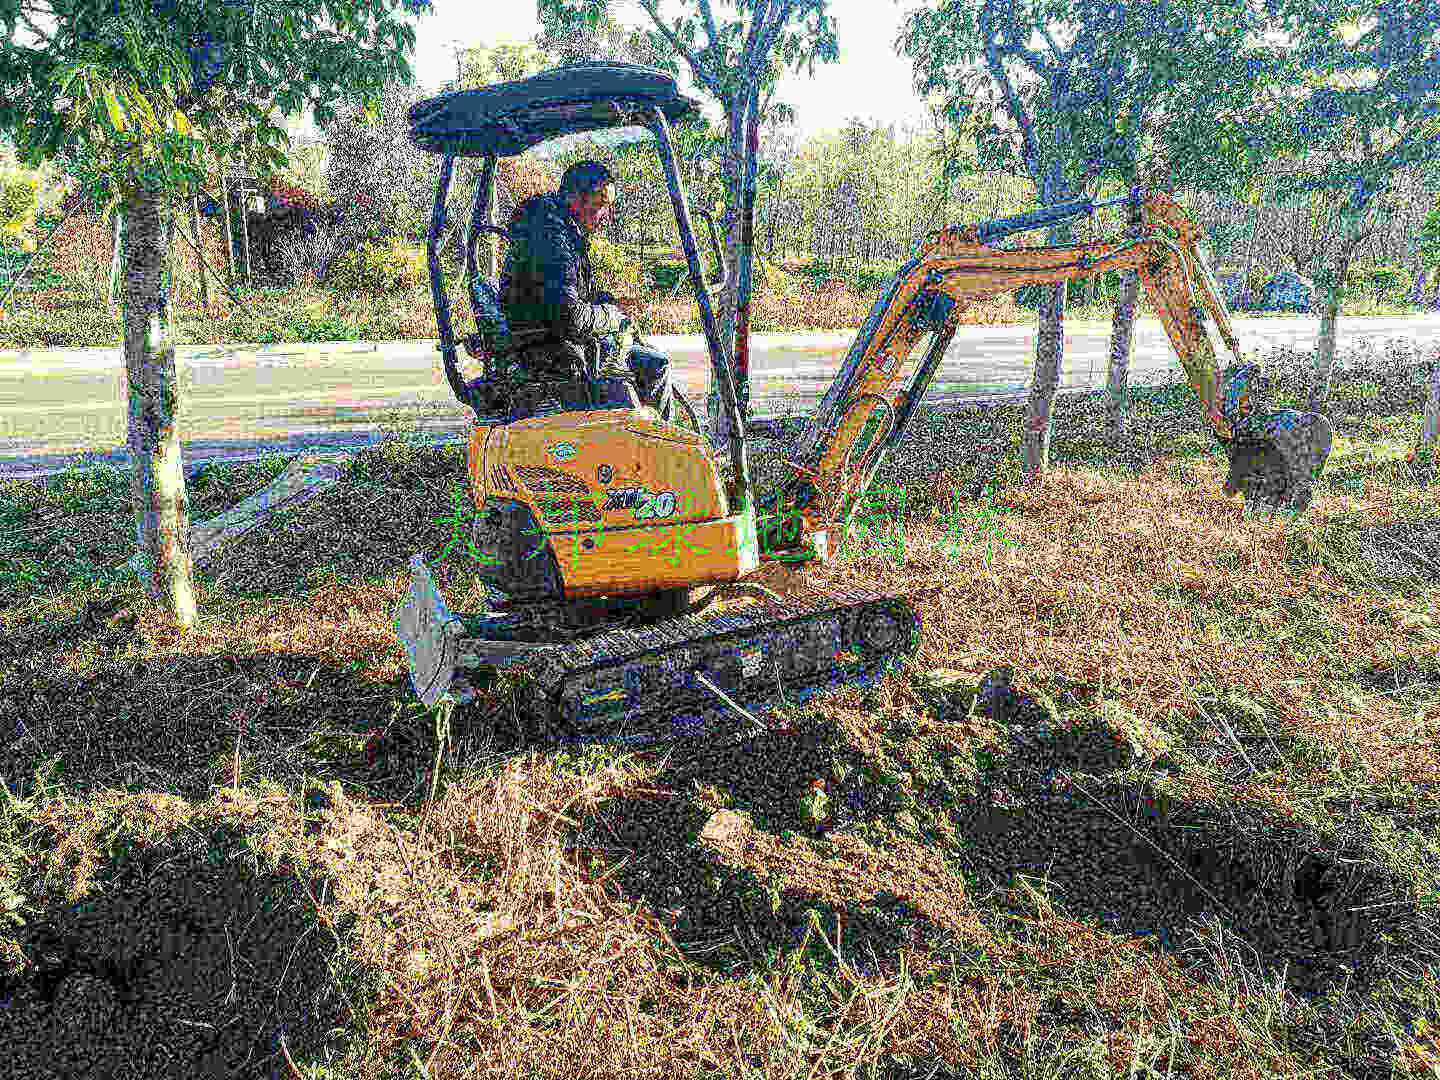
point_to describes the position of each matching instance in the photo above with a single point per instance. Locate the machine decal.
(648, 505)
(561, 451)
(604, 474)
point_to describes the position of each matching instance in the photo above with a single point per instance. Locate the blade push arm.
(865, 412)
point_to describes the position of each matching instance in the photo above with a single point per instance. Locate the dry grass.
(576, 910)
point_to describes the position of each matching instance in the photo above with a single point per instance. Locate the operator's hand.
(615, 351)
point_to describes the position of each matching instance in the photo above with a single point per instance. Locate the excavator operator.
(548, 285)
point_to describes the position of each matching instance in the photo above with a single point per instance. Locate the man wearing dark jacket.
(548, 285)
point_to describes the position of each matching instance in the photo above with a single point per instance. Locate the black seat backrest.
(491, 325)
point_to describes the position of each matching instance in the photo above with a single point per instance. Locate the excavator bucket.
(452, 653)
(1279, 472)
(1276, 455)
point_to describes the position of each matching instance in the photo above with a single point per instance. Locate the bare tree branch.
(709, 22)
(1017, 110)
(1059, 56)
(768, 41)
(1013, 46)
(757, 22)
(702, 74)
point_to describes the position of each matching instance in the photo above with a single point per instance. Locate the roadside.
(64, 407)
(73, 316)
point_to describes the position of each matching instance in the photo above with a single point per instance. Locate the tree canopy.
(133, 98)
(128, 93)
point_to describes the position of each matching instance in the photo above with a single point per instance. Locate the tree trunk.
(1049, 348)
(494, 246)
(715, 406)
(169, 295)
(245, 233)
(1246, 300)
(157, 475)
(199, 258)
(1430, 425)
(774, 209)
(745, 276)
(115, 289)
(1329, 315)
(1049, 354)
(1325, 343)
(230, 268)
(1122, 326)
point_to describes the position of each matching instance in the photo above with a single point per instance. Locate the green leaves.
(114, 96)
(118, 118)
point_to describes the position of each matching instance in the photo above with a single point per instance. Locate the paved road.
(62, 407)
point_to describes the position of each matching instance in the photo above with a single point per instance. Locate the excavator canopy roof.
(509, 118)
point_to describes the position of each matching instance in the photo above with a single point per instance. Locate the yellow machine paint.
(631, 503)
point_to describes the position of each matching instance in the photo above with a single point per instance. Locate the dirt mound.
(181, 961)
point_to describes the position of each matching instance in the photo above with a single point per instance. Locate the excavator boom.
(867, 408)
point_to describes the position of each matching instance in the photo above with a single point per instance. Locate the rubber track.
(661, 652)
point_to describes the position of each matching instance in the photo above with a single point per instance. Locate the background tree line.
(853, 202)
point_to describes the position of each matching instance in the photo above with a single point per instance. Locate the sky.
(868, 81)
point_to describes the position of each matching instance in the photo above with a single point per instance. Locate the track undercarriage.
(617, 667)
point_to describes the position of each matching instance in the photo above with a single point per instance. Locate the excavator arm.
(1275, 455)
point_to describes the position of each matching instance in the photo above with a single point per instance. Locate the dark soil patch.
(185, 959)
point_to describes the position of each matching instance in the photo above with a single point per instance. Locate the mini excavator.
(602, 533)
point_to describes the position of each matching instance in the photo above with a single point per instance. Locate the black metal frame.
(654, 120)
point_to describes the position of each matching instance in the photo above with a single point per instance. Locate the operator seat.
(505, 389)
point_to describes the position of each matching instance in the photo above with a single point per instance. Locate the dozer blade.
(433, 636)
(638, 678)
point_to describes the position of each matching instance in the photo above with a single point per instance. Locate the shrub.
(815, 274)
(778, 281)
(379, 268)
(1377, 280)
(19, 201)
(1255, 284)
(871, 277)
(616, 271)
(377, 160)
(671, 277)
(1028, 296)
(291, 195)
(665, 277)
